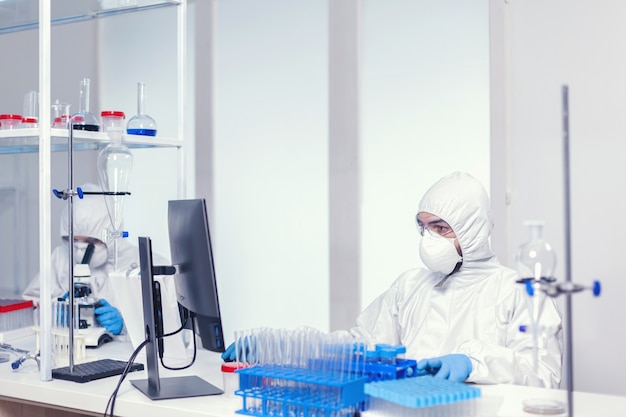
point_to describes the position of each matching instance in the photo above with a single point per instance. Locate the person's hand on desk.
(455, 367)
(246, 351)
(109, 317)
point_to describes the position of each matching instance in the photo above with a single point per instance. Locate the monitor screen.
(191, 253)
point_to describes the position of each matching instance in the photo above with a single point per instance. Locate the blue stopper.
(529, 288)
(596, 288)
(523, 328)
(125, 233)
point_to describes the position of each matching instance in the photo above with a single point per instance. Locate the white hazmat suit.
(477, 310)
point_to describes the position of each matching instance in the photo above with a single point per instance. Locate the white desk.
(91, 398)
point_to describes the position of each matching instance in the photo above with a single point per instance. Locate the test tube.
(31, 106)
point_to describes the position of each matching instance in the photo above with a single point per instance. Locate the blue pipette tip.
(529, 288)
(596, 288)
(80, 192)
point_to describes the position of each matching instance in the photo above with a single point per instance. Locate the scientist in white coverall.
(461, 316)
(91, 219)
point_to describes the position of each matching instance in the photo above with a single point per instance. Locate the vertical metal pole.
(70, 214)
(568, 262)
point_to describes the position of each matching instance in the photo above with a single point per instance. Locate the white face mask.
(98, 258)
(439, 253)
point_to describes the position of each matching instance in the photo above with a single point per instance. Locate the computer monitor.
(196, 291)
(196, 288)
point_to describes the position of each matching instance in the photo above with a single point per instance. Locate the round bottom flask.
(141, 123)
(84, 120)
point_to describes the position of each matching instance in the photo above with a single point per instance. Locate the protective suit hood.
(462, 202)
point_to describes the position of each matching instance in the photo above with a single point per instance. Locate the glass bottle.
(84, 120)
(115, 164)
(141, 123)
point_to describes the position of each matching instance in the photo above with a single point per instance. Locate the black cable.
(129, 364)
(132, 359)
(195, 349)
(180, 329)
(123, 376)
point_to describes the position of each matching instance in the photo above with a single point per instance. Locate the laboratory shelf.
(27, 141)
(19, 15)
(39, 16)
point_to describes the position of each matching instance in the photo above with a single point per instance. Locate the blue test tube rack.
(328, 386)
(286, 390)
(343, 380)
(386, 363)
(380, 364)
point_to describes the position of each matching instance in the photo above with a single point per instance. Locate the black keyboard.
(90, 371)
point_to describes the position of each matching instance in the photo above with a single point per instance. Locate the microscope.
(85, 303)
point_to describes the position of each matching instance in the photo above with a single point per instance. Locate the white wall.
(271, 196)
(270, 185)
(544, 46)
(425, 114)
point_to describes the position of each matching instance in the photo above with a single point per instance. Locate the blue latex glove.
(229, 353)
(246, 351)
(455, 367)
(109, 317)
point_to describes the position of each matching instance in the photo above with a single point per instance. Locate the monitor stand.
(176, 387)
(154, 387)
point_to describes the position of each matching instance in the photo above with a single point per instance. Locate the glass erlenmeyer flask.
(115, 164)
(84, 120)
(141, 123)
(535, 260)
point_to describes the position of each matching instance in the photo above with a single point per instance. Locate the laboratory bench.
(22, 393)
